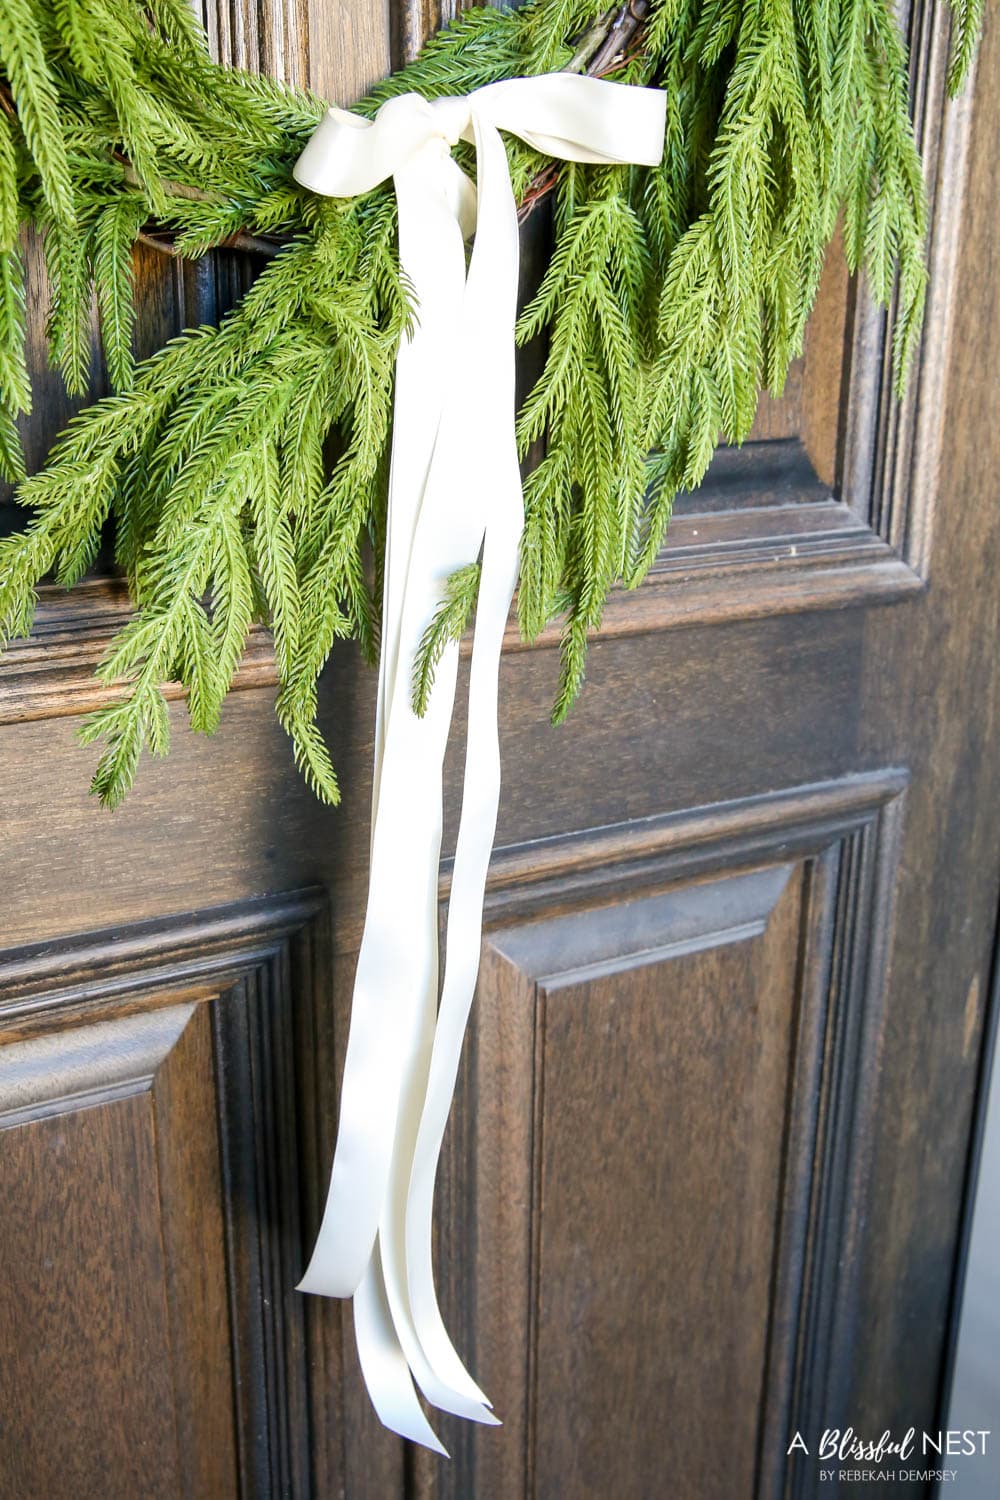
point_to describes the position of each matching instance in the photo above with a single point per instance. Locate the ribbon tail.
(490, 454)
(406, 1231)
(384, 1366)
(478, 823)
(395, 986)
(454, 486)
(460, 1395)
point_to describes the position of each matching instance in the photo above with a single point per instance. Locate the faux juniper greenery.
(245, 465)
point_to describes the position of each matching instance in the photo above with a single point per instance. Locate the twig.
(590, 42)
(253, 244)
(163, 240)
(604, 49)
(627, 23)
(172, 189)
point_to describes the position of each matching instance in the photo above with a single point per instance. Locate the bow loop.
(576, 118)
(347, 156)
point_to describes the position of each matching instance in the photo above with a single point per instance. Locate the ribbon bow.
(454, 493)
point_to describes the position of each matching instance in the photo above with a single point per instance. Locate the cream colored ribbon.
(454, 492)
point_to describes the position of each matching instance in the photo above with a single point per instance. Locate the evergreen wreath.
(244, 464)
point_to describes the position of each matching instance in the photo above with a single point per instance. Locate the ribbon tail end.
(431, 1442)
(314, 1283)
(415, 1428)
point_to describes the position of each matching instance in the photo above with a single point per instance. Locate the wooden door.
(704, 1179)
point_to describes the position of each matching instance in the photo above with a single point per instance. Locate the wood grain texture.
(656, 1231)
(349, 48)
(937, 679)
(272, 38)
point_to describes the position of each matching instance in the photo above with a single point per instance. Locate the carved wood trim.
(762, 536)
(671, 925)
(576, 871)
(51, 675)
(725, 560)
(890, 469)
(54, 1074)
(836, 1066)
(194, 956)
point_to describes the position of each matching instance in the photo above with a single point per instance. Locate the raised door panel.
(660, 1181)
(113, 1263)
(155, 1122)
(660, 1152)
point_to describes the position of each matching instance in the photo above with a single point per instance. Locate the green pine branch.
(244, 466)
(447, 625)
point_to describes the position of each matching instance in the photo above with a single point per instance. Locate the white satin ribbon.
(454, 491)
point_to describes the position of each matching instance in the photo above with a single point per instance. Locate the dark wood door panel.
(660, 1155)
(113, 1262)
(155, 1126)
(658, 1163)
